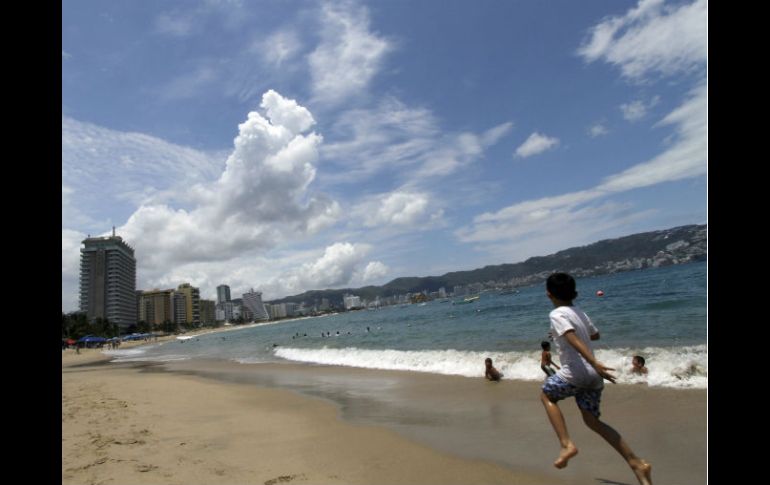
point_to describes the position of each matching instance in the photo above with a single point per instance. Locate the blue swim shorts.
(557, 389)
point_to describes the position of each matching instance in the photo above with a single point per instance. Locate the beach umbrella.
(91, 338)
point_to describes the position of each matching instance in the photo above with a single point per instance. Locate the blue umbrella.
(91, 338)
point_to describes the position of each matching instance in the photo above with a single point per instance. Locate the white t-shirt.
(574, 368)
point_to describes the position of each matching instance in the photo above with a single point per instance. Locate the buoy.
(600, 293)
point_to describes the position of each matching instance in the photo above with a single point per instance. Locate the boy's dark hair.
(640, 359)
(545, 344)
(562, 286)
(487, 360)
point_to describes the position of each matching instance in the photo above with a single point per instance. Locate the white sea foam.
(138, 355)
(678, 367)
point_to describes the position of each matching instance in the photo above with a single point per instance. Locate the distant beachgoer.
(581, 376)
(637, 365)
(545, 359)
(491, 373)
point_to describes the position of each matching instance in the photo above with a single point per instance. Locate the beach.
(218, 422)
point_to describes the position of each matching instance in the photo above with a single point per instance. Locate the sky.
(294, 145)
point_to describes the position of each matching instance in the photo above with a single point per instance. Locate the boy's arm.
(601, 369)
(549, 361)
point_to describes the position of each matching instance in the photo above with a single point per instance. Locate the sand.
(221, 423)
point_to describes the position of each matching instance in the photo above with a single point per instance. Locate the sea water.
(659, 313)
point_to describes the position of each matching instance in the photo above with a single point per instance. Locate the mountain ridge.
(677, 245)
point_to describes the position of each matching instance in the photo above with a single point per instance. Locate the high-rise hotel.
(108, 280)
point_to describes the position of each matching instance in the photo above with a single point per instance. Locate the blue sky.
(297, 145)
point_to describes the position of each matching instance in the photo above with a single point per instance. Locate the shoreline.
(475, 422)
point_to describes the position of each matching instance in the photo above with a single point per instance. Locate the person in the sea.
(637, 365)
(491, 373)
(545, 359)
(581, 375)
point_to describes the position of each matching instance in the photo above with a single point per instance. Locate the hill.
(677, 245)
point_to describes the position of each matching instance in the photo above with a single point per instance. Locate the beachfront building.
(156, 306)
(351, 301)
(108, 280)
(276, 310)
(223, 294)
(208, 312)
(252, 301)
(224, 311)
(180, 308)
(192, 315)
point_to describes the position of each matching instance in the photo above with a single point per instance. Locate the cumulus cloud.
(536, 143)
(398, 208)
(336, 267)
(651, 38)
(374, 271)
(348, 56)
(261, 198)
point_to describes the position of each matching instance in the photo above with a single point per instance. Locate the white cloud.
(191, 85)
(261, 198)
(541, 218)
(99, 164)
(652, 37)
(196, 19)
(536, 143)
(279, 47)
(637, 109)
(686, 156)
(348, 56)
(405, 142)
(335, 268)
(398, 208)
(70, 268)
(633, 111)
(597, 129)
(374, 271)
(65, 55)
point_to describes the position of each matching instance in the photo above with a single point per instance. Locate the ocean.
(659, 313)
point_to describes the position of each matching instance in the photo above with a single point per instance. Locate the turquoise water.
(659, 313)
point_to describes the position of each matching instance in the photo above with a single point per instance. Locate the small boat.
(465, 301)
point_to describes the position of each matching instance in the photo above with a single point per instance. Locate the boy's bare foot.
(565, 455)
(643, 472)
